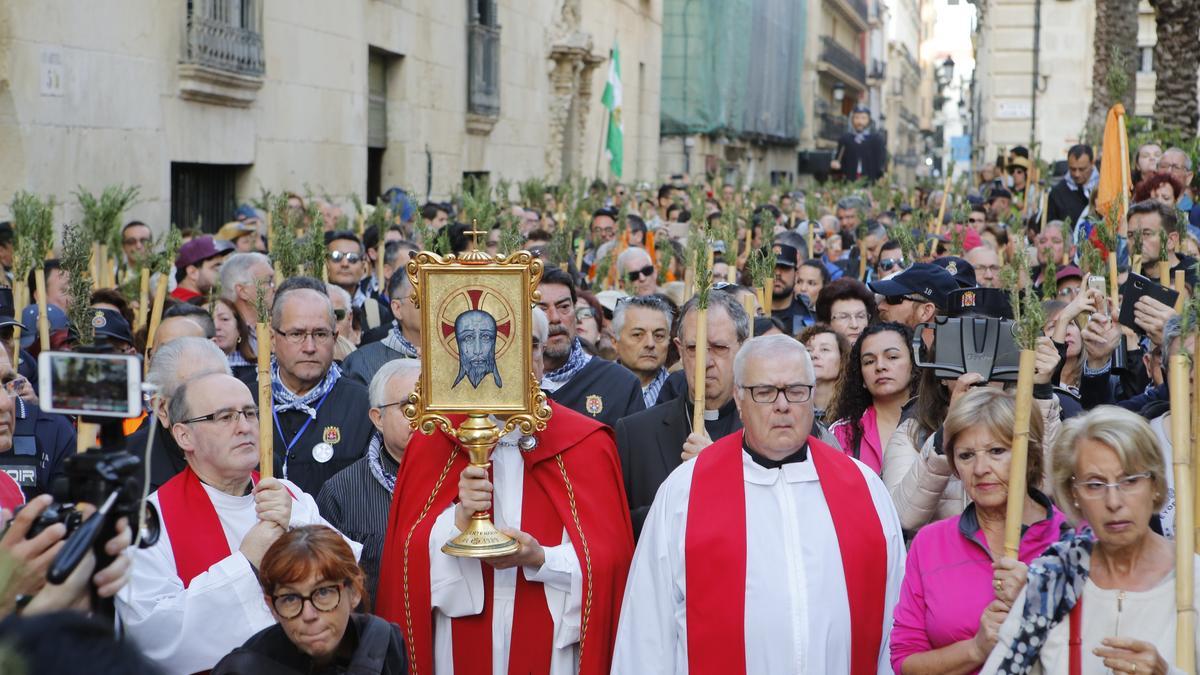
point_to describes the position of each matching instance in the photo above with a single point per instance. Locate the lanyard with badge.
(322, 452)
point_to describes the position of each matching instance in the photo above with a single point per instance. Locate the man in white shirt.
(770, 535)
(194, 596)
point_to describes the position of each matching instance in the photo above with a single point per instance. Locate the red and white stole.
(197, 539)
(715, 557)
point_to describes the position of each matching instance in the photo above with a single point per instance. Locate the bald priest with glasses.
(194, 595)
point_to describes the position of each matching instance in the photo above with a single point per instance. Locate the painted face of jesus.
(475, 333)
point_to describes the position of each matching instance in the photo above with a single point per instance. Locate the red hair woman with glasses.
(312, 584)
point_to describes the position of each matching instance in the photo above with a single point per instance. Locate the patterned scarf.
(650, 391)
(236, 359)
(396, 342)
(576, 360)
(375, 462)
(1055, 584)
(286, 400)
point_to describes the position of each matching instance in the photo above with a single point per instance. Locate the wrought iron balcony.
(843, 59)
(483, 62)
(225, 35)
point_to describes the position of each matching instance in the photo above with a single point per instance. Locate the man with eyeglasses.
(603, 232)
(345, 266)
(1178, 163)
(136, 239)
(194, 595)
(197, 267)
(915, 295)
(986, 263)
(781, 543)
(1155, 223)
(321, 424)
(635, 266)
(654, 442)
(356, 500)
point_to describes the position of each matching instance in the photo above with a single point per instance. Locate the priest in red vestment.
(771, 552)
(550, 608)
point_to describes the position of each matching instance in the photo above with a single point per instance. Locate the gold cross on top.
(475, 232)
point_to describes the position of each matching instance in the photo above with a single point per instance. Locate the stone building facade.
(203, 103)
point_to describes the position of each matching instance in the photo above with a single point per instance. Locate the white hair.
(629, 254)
(236, 270)
(378, 390)
(183, 359)
(541, 326)
(773, 347)
(340, 293)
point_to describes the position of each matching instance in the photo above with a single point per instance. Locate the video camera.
(976, 336)
(101, 388)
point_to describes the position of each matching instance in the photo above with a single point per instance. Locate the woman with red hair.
(1161, 186)
(312, 584)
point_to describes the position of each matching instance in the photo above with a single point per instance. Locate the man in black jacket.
(652, 443)
(1071, 195)
(587, 384)
(321, 424)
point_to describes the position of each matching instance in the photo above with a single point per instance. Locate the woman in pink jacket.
(957, 588)
(877, 383)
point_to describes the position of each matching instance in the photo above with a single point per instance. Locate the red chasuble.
(197, 539)
(602, 535)
(715, 557)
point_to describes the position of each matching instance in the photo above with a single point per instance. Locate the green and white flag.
(615, 147)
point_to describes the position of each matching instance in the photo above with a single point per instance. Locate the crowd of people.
(839, 505)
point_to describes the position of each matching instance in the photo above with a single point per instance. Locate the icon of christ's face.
(475, 333)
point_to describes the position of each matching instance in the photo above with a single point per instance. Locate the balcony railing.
(483, 62)
(225, 35)
(843, 59)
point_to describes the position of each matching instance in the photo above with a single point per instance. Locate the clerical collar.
(767, 463)
(713, 415)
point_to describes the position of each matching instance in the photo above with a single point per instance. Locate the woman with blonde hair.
(1113, 584)
(957, 586)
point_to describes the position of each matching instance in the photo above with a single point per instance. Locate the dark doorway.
(203, 196)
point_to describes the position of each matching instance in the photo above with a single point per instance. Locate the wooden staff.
(85, 436)
(160, 298)
(1181, 288)
(579, 256)
(942, 208)
(1195, 452)
(1020, 454)
(748, 305)
(380, 250)
(95, 265)
(143, 313)
(862, 259)
(1164, 273)
(271, 227)
(1113, 285)
(764, 298)
(39, 280)
(1045, 208)
(362, 225)
(278, 273)
(689, 283)
(811, 226)
(700, 371)
(101, 277)
(18, 309)
(1185, 535)
(266, 435)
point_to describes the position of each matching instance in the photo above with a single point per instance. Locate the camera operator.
(28, 591)
(38, 442)
(916, 470)
(193, 597)
(1114, 373)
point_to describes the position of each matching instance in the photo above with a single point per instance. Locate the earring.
(239, 340)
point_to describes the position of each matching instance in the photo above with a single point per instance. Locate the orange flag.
(1114, 170)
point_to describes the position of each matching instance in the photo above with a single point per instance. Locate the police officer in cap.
(785, 304)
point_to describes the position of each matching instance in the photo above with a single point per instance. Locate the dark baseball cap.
(7, 309)
(108, 324)
(980, 301)
(960, 269)
(200, 249)
(785, 255)
(55, 316)
(923, 279)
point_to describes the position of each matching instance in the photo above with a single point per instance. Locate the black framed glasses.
(769, 393)
(227, 417)
(647, 271)
(323, 599)
(339, 256)
(319, 336)
(899, 299)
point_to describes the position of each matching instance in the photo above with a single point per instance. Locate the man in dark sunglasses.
(345, 265)
(635, 267)
(891, 260)
(914, 296)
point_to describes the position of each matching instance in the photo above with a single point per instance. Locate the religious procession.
(669, 337)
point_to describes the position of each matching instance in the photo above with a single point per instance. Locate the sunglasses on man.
(899, 299)
(889, 264)
(635, 275)
(338, 256)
